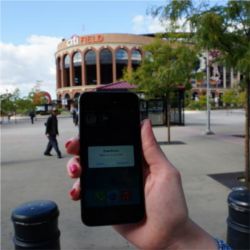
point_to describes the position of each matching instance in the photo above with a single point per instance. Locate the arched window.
(66, 66)
(136, 58)
(76, 96)
(121, 57)
(106, 66)
(66, 100)
(67, 96)
(77, 62)
(90, 64)
(59, 72)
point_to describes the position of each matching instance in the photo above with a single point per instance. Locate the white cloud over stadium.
(23, 65)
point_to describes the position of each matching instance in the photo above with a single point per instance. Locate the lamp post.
(208, 129)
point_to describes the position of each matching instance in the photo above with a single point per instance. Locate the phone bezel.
(110, 215)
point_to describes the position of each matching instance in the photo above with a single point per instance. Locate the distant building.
(220, 77)
(86, 62)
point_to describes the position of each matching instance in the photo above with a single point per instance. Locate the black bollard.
(238, 230)
(36, 225)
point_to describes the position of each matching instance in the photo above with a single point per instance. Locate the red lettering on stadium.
(76, 40)
(91, 39)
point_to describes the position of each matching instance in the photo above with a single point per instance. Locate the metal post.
(247, 136)
(208, 130)
(36, 225)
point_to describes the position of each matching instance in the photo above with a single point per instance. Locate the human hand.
(166, 224)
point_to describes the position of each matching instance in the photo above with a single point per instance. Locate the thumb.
(152, 152)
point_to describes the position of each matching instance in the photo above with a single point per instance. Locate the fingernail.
(72, 192)
(73, 168)
(67, 143)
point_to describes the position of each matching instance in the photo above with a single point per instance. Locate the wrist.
(191, 236)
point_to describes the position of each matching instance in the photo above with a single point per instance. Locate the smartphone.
(111, 156)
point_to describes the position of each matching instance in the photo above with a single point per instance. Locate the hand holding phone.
(166, 222)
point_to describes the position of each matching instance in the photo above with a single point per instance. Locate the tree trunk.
(169, 117)
(247, 135)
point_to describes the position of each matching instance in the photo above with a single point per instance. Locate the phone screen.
(110, 153)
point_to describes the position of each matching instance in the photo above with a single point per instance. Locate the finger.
(151, 150)
(72, 146)
(75, 192)
(74, 168)
(145, 167)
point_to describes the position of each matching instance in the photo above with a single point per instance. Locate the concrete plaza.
(26, 174)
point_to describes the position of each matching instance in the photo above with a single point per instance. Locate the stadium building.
(85, 62)
(90, 61)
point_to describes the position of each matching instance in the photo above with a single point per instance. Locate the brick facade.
(66, 85)
(75, 74)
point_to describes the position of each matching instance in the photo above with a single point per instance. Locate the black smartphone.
(111, 156)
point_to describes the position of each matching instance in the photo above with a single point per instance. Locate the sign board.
(81, 40)
(65, 101)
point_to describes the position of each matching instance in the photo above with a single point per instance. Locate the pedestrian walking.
(52, 132)
(75, 116)
(32, 115)
(74, 112)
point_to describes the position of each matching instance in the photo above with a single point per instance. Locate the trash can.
(238, 229)
(36, 225)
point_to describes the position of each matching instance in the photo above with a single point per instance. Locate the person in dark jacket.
(32, 115)
(52, 132)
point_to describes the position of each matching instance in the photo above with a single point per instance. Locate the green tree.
(36, 96)
(199, 104)
(12, 103)
(230, 98)
(7, 105)
(242, 99)
(222, 27)
(23, 105)
(8, 102)
(166, 66)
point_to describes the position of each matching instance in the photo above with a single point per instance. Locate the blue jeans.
(52, 144)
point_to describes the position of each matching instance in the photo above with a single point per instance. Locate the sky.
(31, 31)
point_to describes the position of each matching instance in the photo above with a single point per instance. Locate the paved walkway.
(28, 175)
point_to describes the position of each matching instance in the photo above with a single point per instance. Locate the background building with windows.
(86, 62)
(221, 77)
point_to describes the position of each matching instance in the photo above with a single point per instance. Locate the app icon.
(112, 196)
(126, 195)
(100, 195)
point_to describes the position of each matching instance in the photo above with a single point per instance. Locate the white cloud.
(155, 26)
(148, 24)
(138, 24)
(24, 64)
